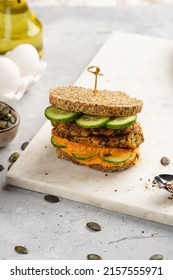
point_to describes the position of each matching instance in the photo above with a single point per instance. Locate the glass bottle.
(18, 25)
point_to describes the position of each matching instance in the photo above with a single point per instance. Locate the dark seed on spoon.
(93, 226)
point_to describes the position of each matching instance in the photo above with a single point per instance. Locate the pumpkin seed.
(21, 250)
(93, 226)
(51, 198)
(11, 118)
(156, 257)
(1, 107)
(10, 165)
(1, 167)
(5, 110)
(93, 257)
(24, 145)
(165, 160)
(14, 157)
(3, 124)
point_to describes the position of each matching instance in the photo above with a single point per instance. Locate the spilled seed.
(165, 160)
(93, 226)
(10, 165)
(93, 257)
(14, 157)
(24, 145)
(1, 167)
(156, 257)
(51, 198)
(21, 250)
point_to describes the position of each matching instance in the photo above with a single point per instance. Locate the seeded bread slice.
(118, 167)
(104, 103)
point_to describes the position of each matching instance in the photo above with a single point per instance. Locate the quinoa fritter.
(72, 129)
(130, 140)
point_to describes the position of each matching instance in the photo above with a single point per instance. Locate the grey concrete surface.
(72, 36)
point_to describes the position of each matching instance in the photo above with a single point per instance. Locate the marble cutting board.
(143, 67)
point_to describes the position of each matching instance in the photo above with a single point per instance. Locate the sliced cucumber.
(57, 115)
(56, 144)
(89, 121)
(82, 156)
(120, 122)
(117, 160)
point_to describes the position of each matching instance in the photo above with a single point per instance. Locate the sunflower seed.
(21, 250)
(93, 226)
(93, 257)
(14, 157)
(156, 257)
(51, 198)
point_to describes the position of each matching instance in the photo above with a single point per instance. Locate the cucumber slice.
(57, 115)
(82, 156)
(117, 160)
(121, 122)
(56, 144)
(89, 121)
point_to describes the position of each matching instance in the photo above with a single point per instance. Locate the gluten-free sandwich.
(96, 130)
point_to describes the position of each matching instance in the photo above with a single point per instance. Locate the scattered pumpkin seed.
(14, 157)
(93, 226)
(156, 257)
(51, 198)
(165, 160)
(21, 250)
(10, 165)
(1, 167)
(93, 257)
(24, 145)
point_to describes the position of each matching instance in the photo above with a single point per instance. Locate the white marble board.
(143, 67)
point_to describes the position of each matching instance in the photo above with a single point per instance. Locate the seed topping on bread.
(105, 103)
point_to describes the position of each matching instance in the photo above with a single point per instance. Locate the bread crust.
(121, 167)
(104, 103)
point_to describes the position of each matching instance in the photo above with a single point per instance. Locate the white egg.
(9, 76)
(26, 57)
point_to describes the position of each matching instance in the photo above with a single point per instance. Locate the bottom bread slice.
(106, 167)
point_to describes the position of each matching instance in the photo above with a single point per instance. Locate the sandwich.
(99, 130)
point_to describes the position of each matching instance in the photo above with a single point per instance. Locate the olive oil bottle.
(19, 25)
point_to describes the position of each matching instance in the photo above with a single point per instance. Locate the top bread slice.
(103, 103)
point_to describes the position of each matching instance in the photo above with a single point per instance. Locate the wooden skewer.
(96, 73)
